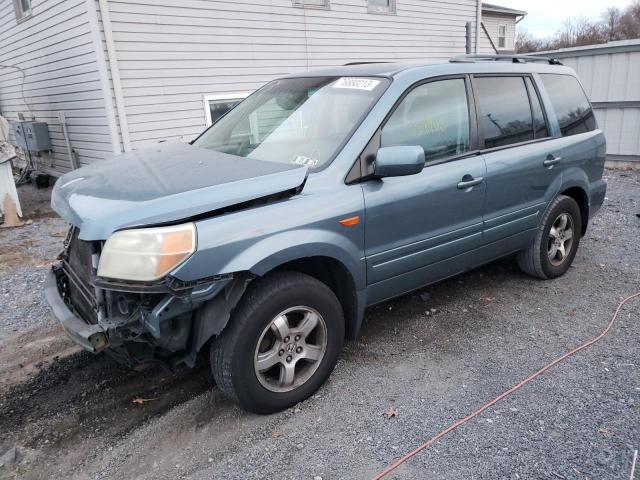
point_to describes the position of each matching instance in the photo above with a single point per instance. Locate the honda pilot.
(262, 242)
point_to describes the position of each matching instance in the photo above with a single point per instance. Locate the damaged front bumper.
(91, 337)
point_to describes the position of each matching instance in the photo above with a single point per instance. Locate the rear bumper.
(90, 337)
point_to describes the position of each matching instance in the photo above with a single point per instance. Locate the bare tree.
(612, 25)
(527, 43)
(616, 24)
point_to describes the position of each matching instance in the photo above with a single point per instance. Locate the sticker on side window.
(302, 160)
(356, 83)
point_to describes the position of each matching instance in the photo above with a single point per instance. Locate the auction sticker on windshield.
(356, 83)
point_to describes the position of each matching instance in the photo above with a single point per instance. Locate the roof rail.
(361, 63)
(504, 58)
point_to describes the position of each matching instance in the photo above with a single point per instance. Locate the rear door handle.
(551, 161)
(468, 181)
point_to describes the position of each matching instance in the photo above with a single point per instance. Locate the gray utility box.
(32, 136)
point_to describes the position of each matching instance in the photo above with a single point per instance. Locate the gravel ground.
(434, 355)
(26, 254)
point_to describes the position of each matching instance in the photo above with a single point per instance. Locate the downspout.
(478, 26)
(105, 85)
(115, 74)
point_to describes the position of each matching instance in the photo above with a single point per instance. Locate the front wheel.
(556, 241)
(281, 343)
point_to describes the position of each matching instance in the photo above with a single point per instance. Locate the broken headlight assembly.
(146, 254)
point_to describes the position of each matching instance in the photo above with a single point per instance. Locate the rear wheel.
(281, 343)
(556, 241)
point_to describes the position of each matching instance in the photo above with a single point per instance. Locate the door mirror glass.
(399, 160)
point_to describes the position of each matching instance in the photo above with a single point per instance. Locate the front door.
(421, 228)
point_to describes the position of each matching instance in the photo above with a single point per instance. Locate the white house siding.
(491, 22)
(609, 74)
(55, 49)
(172, 54)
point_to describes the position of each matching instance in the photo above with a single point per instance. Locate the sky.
(544, 17)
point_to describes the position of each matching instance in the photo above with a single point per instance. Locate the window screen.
(505, 114)
(381, 6)
(311, 3)
(22, 9)
(502, 36)
(570, 104)
(539, 122)
(434, 116)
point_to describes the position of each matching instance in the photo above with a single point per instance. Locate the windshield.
(297, 120)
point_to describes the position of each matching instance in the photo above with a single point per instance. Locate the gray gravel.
(25, 256)
(434, 355)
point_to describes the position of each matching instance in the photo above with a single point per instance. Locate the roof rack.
(361, 63)
(504, 58)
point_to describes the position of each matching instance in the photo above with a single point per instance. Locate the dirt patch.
(26, 354)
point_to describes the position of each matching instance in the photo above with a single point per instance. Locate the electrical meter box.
(32, 136)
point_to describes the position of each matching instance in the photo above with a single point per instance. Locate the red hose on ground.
(530, 378)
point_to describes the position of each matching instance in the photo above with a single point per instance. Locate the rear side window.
(434, 116)
(539, 122)
(505, 113)
(572, 108)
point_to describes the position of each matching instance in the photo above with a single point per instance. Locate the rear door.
(420, 228)
(523, 166)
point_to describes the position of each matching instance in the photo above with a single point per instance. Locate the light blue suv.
(265, 239)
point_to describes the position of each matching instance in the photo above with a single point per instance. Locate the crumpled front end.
(136, 322)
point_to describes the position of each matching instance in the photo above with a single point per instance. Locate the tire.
(536, 260)
(256, 327)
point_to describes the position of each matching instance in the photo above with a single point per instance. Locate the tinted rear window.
(572, 108)
(505, 113)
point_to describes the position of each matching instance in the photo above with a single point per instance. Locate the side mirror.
(398, 160)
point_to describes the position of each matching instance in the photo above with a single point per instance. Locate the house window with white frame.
(311, 3)
(502, 36)
(215, 106)
(381, 6)
(22, 9)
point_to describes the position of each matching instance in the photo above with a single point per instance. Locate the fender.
(284, 247)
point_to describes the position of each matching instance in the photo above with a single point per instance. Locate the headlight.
(146, 254)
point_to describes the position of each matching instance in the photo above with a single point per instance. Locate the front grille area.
(76, 267)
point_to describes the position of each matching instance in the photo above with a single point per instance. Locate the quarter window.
(502, 36)
(434, 116)
(381, 6)
(573, 111)
(22, 9)
(505, 113)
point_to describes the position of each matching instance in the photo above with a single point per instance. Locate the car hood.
(165, 184)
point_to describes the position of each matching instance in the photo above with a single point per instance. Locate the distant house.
(124, 74)
(498, 28)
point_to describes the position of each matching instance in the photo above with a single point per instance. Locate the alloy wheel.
(290, 349)
(560, 239)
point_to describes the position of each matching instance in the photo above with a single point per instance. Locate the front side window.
(573, 111)
(381, 6)
(502, 36)
(301, 121)
(505, 114)
(22, 9)
(434, 116)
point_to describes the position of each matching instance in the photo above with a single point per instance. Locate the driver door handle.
(468, 181)
(551, 161)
